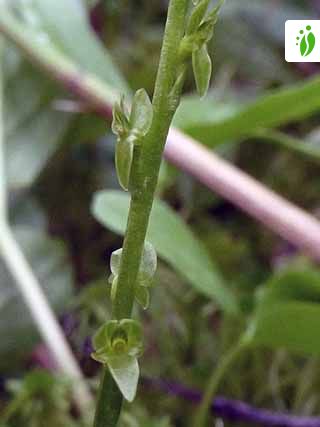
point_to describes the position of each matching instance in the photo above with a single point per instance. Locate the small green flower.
(130, 130)
(118, 344)
(117, 338)
(145, 277)
(199, 32)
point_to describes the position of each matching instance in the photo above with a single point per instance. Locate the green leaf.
(51, 28)
(293, 284)
(125, 372)
(141, 112)
(288, 312)
(238, 121)
(202, 68)
(64, 22)
(174, 242)
(31, 124)
(292, 325)
(124, 156)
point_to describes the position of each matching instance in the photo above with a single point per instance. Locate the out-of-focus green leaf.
(47, 258)
(174, 242)
(292, 325)
(32, 145)
(32, 124)
(294, 284)
(288, 312)
(62, 30)
(32, 128)
(202, 121)
(67, 26)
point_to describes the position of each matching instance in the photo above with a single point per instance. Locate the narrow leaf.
(202, 68)
(235, 121)
(63, 23)
(184, 252)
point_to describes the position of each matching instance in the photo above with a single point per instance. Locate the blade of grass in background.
(215, 123)
(174, 242)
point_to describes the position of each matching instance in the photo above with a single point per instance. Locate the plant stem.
(109, 402)
(215, 380)
(145, 179)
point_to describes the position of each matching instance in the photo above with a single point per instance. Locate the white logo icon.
(302, 41)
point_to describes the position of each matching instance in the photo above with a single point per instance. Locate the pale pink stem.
(290, 222)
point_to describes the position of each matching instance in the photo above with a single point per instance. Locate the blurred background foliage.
(59, 154)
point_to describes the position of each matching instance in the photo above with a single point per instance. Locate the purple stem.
(234, 410)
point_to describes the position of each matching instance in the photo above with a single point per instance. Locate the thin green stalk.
(145, 178)
(215, 380)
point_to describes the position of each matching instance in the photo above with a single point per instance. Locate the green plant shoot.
(141, 136)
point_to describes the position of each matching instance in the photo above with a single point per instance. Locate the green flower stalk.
(141, 136)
